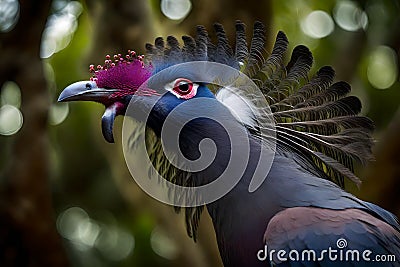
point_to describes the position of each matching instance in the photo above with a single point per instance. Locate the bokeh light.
(9, 14)
(349, 16)
(317, 24)
(58, 113)
(85, 233)
(176, 9)
(163, 245)
(11, 94)
(74, 224)
(382, 69)
(60, 28)
(114, 243)
(11, 120)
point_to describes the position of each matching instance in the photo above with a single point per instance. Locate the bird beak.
(88, 91)
(85, 91)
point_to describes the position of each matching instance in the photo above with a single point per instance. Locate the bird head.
(112, 85)
(123, 79)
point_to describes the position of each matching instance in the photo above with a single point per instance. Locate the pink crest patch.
(126, 74)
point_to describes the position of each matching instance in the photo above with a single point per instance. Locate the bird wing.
(306, 229)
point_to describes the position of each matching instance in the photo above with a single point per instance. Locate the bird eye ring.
(184, 88)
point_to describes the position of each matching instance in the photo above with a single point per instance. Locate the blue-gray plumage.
(301, 205)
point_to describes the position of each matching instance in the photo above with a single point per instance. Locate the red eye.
(184, 88)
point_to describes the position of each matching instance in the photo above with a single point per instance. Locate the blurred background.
(66, 197)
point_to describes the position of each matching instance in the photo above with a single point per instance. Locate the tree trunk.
(28, 235)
